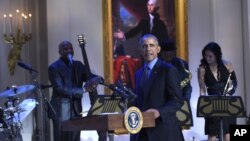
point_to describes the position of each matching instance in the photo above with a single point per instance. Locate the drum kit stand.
(15, 112)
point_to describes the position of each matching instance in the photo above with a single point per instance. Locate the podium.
(106, 114)
(108, 122)
(220, 106)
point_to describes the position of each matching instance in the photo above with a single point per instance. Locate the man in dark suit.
(158, 89)
(150, 25)
(67, 77)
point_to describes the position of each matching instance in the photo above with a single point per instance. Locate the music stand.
(107, 104)
(220, 106)
(184, 115)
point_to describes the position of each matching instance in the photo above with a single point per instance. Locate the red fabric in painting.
(132, 65)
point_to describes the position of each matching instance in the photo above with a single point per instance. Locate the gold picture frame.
(180, 33)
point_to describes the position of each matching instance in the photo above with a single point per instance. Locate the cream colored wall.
(67, 19)
(199, 33)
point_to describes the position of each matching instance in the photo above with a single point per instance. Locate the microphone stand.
(126, 94)
(40, 118)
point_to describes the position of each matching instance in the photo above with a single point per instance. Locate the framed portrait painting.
(122, 56)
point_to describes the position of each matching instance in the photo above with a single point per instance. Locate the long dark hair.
(216, 49)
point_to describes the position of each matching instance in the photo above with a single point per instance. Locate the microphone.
(113, 87)
(102, 81)
(122, 90)
(42, 86)
(119, 88)
(70, 57)
(26, 66)
(130, 92)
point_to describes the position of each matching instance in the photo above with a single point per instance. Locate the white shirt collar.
(152, 63)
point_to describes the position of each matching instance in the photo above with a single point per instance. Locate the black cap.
(168, 45)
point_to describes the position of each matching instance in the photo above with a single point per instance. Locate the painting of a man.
(133, 19)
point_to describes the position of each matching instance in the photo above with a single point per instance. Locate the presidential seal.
(133, 120)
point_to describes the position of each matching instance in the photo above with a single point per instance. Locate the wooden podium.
(107, 122)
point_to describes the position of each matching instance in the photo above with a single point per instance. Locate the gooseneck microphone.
(26, 66)
(42, 86)
(120, 89)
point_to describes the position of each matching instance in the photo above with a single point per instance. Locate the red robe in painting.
(124, 70)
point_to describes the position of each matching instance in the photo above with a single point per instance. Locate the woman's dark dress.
(214, 87)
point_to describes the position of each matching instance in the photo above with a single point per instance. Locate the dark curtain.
(136, 7)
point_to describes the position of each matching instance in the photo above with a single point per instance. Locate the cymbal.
(16, 90)
(24, 109)
(11, 110)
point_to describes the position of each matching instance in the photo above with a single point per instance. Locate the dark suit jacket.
(143, 27)
(67, 91)
(163, 93)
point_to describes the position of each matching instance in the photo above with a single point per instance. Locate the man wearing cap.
(168, 54)
(151, 25)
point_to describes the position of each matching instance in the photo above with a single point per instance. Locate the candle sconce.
(16, 40)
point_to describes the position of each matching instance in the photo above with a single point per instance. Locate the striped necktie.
(145, 80)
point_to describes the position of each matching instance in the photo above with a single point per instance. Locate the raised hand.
(119, 34)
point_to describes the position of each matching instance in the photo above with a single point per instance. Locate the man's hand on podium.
(155, 111)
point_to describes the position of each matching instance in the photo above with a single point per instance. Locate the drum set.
(14, 112)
